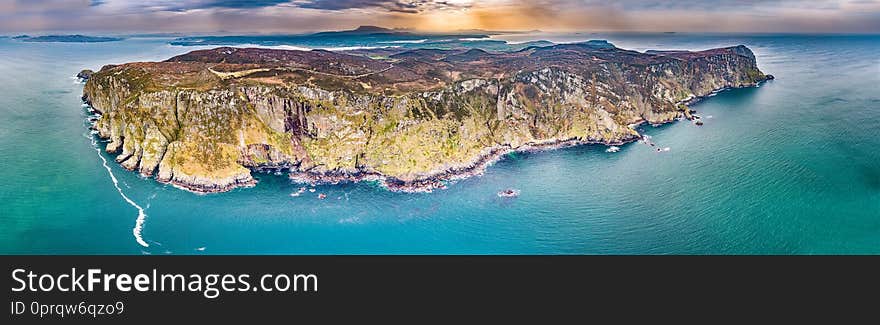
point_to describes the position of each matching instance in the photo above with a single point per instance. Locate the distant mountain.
(67, 38)
(372, 29)
(362, 30)
(602, 44)
(156, 35)
(365, 37)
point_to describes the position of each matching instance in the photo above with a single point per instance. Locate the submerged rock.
(509, 193)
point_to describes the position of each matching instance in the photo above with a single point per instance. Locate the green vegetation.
(200, 127)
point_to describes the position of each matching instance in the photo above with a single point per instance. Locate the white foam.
(142, 216)
(518, 42)
(352, 48)
(286, 47)
(246, 45)
(354, 219)
(200, 249)
(418, 41)
(298, 192)
(509, 193)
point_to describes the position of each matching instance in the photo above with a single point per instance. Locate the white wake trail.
(142, 216)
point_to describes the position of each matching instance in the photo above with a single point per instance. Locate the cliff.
(409, 119)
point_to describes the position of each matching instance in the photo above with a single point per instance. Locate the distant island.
(67, 38)
(410, 119)
(368, 36)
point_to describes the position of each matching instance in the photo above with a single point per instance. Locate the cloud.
(796, 16)
(294, 16)
(40, 6)
(173, 5)
(244, 3)
(401, 6)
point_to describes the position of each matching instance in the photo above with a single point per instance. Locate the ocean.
(791, 167)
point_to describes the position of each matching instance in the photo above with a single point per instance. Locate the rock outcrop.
(206, 119)
(84, 74)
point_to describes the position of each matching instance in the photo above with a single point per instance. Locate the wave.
(142, 215)
(352, 48)
(519, 42)
(243, 45)
(350, 220)
(418, 41)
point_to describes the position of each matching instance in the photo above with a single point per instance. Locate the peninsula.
(67, 39)
(407, 118)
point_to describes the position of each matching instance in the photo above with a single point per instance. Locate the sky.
(300, 16)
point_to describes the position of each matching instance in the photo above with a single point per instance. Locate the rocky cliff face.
(204, 120)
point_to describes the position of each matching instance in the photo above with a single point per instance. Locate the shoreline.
(436, 179)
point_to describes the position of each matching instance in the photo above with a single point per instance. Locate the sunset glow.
(291, 16)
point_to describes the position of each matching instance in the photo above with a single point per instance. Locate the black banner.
(117, 289)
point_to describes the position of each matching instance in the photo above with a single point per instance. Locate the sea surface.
(791, 167)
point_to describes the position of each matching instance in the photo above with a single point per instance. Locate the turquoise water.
(792, 167)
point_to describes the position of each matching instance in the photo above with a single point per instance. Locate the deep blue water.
(792, 167)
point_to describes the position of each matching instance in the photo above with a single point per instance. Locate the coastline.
(430, 181)
(436, 179)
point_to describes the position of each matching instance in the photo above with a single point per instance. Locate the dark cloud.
(393, 5)
(399, 6)
(243, 3)
(170, 5)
